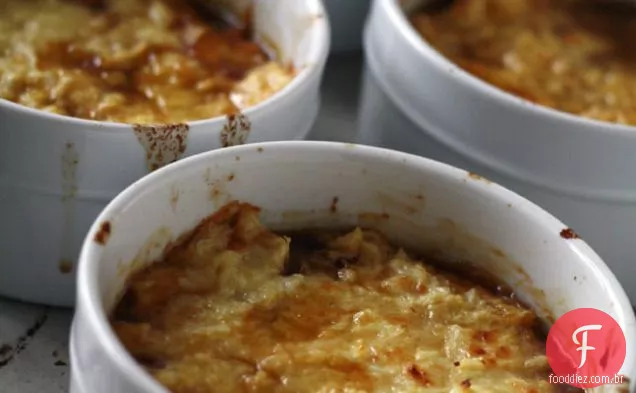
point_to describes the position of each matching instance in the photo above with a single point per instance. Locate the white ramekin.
(347, 23)
(581, 170)
(422, 204)
(57, 173)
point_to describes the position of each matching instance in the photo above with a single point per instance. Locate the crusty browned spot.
(476, 350)
(163, 144)
(568, 233)
(475, 176)
(65, 266)
(503, 352)
(103, 234)
(489, 362)
(334, 205)
(456, 364)
(236, 131)
(230, 177)
(466, 383)
(418, 375)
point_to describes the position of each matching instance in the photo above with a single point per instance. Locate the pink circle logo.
(586, 348)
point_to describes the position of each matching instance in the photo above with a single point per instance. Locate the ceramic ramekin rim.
(319, 45)
(90, 305)
(428, 52)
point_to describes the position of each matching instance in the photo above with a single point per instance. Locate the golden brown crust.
(572, 55)
(238, 308)
(131, 61)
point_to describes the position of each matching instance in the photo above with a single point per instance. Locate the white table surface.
(34, 339)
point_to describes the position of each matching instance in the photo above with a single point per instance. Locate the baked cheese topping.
(130, 61)
(238, 308)
(575, 56)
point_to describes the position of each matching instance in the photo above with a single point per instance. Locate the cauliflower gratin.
(130, 61)
(576, 56)
(238, 308)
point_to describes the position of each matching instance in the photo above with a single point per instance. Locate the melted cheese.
(238, 308)
(130, 61)
(575, 56)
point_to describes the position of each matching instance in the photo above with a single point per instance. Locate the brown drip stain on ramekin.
(65, 266)
(69, 163)
(236, 131)
(163, 144)
(334, 205)
(568, 233)
(103, 234)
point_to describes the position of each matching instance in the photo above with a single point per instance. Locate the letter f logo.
(583, 344)
(564, 344)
